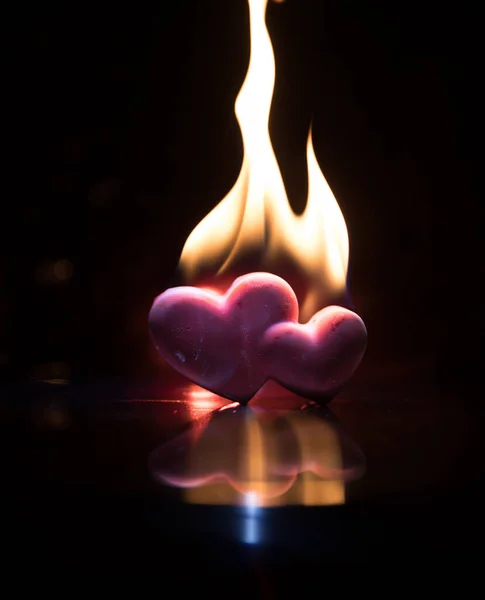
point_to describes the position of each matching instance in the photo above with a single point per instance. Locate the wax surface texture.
(232, 343)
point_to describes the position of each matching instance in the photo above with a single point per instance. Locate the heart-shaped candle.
(232, 343)
(316, 359)
(215, 339)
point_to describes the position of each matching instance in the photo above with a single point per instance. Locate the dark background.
(120, 137)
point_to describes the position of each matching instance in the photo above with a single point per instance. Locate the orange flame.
(255, 216)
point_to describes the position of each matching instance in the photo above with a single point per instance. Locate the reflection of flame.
(261, 458)
(255, 216)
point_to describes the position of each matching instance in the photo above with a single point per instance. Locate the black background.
(120, 136)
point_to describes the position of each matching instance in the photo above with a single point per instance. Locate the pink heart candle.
(232, 343)
(316, 359)
(215, 339)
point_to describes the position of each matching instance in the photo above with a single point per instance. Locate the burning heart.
(215, 339)
(232, 343)
(316, 359)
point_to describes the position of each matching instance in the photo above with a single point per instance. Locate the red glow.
(201, 401)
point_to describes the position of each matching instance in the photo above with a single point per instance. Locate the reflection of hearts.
(214, 339)
(227, 449)
(317, 358)
(267, 458)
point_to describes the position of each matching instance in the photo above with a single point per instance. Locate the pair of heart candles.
(232, 343)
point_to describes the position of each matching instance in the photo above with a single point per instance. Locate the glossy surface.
(261, 457)
(76, 482)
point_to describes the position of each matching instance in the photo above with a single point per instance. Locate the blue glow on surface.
(251, 526)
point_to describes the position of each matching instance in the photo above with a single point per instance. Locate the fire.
(255, 219)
